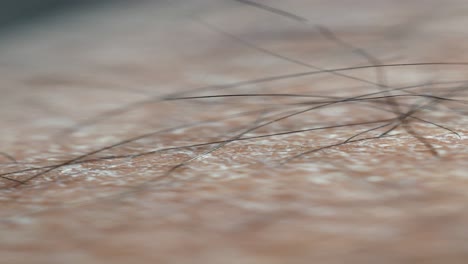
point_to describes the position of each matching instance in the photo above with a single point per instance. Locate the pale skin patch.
(386, 199)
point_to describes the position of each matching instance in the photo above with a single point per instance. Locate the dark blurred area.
(14, 13)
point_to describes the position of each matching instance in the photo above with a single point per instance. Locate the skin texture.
(388, 200)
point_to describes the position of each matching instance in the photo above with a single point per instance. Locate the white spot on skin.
(375, 178)
(318, 180)
(72, 170)
(22, 220)
(325, 179)
(88, 174)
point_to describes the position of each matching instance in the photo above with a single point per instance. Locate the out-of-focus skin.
(387, 200)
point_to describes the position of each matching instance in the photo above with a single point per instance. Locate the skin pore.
(221, 131)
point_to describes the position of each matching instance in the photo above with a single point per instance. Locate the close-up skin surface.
(236, 132)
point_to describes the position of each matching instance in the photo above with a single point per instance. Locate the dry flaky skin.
(381, 201)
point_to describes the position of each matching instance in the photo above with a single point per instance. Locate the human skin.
(385, 200)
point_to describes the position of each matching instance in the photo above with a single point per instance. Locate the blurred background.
(63, 63)
(14, 14)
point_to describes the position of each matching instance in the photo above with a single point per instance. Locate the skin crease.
(387, 200)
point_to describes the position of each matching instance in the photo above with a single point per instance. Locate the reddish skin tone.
(385, 201)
